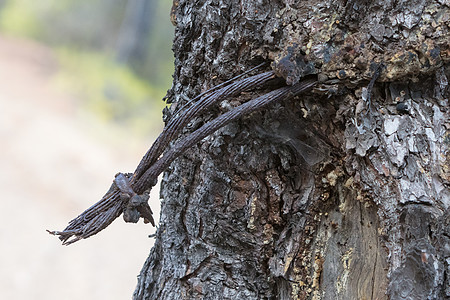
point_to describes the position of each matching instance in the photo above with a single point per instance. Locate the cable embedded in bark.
(214, 88)
(112, 204)
(151, 175)
(177, 124)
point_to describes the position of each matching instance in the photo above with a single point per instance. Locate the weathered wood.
(329, 196)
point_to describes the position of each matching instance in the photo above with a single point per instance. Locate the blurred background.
(81, 88)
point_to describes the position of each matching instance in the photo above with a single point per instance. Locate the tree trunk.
(342, 193)
(134, 33)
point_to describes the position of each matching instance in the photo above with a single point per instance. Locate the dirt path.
(54, 164)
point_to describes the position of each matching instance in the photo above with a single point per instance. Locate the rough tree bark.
(342, 193)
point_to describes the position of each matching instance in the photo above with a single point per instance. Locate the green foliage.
(111, 91)
(85, 34)
(86, 24)
(18, 18)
